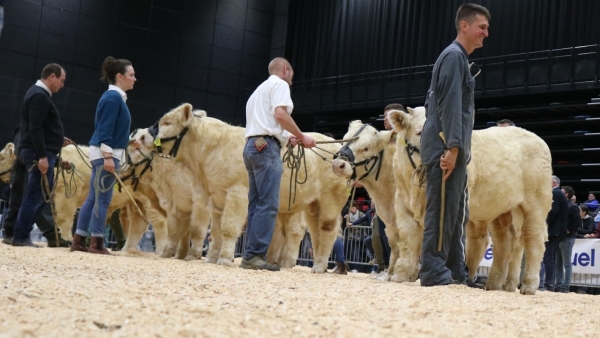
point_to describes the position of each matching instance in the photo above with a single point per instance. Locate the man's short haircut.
(569, 191)
(505, 121)
(555, 179)
(52, 68)
(394, 106)
(278, 63)
(467, 13)
(354, 205)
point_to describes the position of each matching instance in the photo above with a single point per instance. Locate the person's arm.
(37, 108)
(449, 105)
(574, 219)
(363, 219)
(282, 109)
(555, 210)
(106, 120)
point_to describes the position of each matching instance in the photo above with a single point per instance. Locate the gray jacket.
(450, 107)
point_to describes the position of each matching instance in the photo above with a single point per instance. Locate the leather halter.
(410, 149)
(347, 155)
(5, 172)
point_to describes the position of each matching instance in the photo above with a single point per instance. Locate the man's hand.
(307, 141)
(293, 140)
(67, 141)
(349, 224)
(109, 165)
(448, 161)
(65, 165)
(43, 165)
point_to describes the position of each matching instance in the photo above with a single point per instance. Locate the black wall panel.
(211, 53)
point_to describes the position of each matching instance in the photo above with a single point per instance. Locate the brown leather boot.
(78, 244)
(342, 269)
(97, 246)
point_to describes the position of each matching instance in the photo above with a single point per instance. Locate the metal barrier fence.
(577, 279)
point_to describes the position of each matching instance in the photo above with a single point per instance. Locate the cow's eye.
(367, 149)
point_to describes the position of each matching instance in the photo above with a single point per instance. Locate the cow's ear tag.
(157, 142)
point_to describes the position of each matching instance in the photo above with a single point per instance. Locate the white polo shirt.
(260, 109)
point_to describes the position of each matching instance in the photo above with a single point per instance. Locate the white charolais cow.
(213, 151)
(7, 158)
(171, 181)
(516, 211)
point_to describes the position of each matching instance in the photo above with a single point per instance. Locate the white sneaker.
(354, 271)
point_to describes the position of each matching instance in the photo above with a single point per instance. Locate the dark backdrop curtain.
(339, 37)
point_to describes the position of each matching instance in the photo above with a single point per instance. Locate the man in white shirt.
(268, 127)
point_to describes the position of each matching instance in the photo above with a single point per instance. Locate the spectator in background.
(505, 123)
(340, 258)
(563, 256)
(387, 110)
(353, 236)
(574, 199)
(557, 229)
(595, 234)
(591, 202)
(587, 222)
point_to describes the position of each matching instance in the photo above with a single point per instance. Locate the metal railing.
(523, 71)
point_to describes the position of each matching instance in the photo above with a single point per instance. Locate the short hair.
(584, 208)
(354, 205)
(52, 68)
(467, 13)
(394, 106)
(505, 121)
(555, 179)
(278, 63)
(568, 190)
(111, 67)
(592, 194)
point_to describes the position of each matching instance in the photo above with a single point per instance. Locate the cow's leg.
(198, 230)
(65, 209)
(278, 239)
(178, 228)
(477, 242)
(183, 247)
(391, 231)
(516, 257)
(214, 249)
(234, 216)
(502, 238)
(534, 233)
(326, 231)
(294, 232)
(406, 248)
(136, 228)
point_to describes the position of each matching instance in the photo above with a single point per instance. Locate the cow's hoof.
(225, 262)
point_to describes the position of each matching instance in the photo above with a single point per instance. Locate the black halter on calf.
(410, 149)
(347, 155)
(5, 172)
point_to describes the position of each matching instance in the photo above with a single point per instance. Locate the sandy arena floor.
(54, 293)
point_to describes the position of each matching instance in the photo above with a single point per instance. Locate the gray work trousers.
(439, 267)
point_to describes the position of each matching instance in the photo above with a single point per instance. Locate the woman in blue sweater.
(107, 148)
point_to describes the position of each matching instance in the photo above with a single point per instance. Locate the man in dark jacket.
(565, 247)
(43, 219)
(557, 229)
(42, 137)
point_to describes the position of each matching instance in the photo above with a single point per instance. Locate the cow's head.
(173, 126)
(408, 127)
(141, 144)
(351, 161)
(7, 158)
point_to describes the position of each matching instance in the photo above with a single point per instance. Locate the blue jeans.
(563, 259)
(264, 177)
(96, 212)
(338, 250)
(33, 201)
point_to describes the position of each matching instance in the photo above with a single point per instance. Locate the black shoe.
(27, 242)
(467, 282)
(119, 246)
(61, 242)
(7, 240)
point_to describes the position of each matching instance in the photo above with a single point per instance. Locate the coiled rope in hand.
(294, 161)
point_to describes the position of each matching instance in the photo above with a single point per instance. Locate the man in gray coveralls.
(446, 151)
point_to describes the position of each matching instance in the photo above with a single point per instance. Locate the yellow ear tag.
(403, 141)
(348, 190)
(157, 142)
(116, 188)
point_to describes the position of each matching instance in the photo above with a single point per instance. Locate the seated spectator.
(591, 202)
(505, 123)
(587, 222)
(353, 236)
(595, 234)
(340, 259)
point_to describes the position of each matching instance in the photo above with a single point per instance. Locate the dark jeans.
(264, 177)
(95, 207)
(33, 202)
(338, 250)
(549, 262)
(18, 182)
(385, 243)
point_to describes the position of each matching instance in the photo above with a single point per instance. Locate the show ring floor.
(55, 293)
